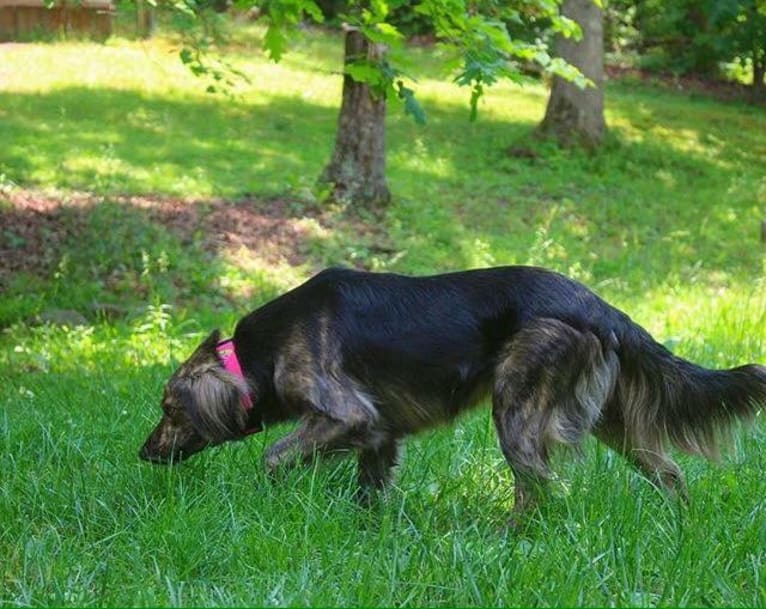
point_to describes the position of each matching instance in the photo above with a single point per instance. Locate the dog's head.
(201, 406)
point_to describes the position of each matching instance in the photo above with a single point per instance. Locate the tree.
(146, 19)
(677, 35)
(475, 33)
(480, 39)
(575, 114)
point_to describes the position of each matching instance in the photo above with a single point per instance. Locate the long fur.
(213, 400)
(209, 394)
(673, 400)
(362, 360)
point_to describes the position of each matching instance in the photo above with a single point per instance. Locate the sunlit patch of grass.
(713, 326)
(242, 265)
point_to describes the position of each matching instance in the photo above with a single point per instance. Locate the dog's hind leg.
(645, 453)
(551, 383)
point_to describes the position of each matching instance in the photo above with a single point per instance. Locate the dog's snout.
(154, 448)
(152, 455)
(167, 445)
(146, 454)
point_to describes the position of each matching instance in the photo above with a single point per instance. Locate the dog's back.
(423, 347)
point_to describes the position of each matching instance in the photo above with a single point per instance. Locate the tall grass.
(663, 222)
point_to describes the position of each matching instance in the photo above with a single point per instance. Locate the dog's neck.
(228, 355)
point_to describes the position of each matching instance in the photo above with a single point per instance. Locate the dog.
(362, 360)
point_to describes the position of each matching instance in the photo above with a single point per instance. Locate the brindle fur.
(361, 360)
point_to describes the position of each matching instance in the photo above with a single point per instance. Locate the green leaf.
(184, 8)
(364, 71)
(567, 27)
(476, 93)
(411, 105)
(389, 31)
(186, 56)
(568, 72)
(313, 10)
(542, 58)
(274, 42)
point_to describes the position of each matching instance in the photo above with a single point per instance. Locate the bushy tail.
(667, 398)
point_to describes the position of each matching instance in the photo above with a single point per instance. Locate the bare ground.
(35, 227)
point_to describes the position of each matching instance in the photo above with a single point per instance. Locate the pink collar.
(228, 355)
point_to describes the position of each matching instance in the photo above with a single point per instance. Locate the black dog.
(363, 359)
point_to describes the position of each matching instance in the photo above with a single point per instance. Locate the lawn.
(157, 211)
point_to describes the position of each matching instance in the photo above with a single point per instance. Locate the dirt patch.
(36, 227)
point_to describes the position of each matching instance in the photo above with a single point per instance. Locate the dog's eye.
(169, 407)
(172, 410)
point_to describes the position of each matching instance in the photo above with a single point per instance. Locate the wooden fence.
(27, 19)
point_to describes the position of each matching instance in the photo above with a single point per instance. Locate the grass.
(663, 222)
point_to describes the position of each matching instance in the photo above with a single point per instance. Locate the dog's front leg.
(315, 434)
(375, 464)
(374, 468)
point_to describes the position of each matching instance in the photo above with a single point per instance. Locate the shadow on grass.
(123, 142)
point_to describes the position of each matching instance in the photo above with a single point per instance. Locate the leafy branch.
(475, 33)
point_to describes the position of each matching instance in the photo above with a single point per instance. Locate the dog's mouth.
(175, 456)
(159, 459)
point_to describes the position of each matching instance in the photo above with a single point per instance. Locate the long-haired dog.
(364, 359)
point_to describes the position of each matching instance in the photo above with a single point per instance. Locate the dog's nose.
(147, 455)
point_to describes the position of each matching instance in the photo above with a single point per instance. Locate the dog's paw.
(365, 497)
(514, 525)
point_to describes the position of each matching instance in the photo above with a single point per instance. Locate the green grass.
(664, 222)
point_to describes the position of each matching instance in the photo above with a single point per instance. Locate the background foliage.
(711, 37)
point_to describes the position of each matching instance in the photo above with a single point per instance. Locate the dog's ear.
(209, 394)
(206, 351)
(213, 401)
(209, 344)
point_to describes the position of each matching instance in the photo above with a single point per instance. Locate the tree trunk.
(759, 87)
(758, 50)
(576, 116)
(357, 170)
(145, 19)
(759, 71)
